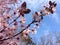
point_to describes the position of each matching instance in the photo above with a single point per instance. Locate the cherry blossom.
(13, 27)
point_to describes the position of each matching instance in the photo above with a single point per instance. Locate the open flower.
(26, 33)
(22, 20)
(34, 31)
(53, 9)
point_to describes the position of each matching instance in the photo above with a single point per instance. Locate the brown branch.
(20, 31)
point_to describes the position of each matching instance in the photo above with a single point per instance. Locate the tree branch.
(20, 31)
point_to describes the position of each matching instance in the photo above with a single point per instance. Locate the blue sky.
(49, 24)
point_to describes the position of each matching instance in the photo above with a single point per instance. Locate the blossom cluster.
(9, 23)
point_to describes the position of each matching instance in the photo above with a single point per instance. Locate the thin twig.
(20, 31)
